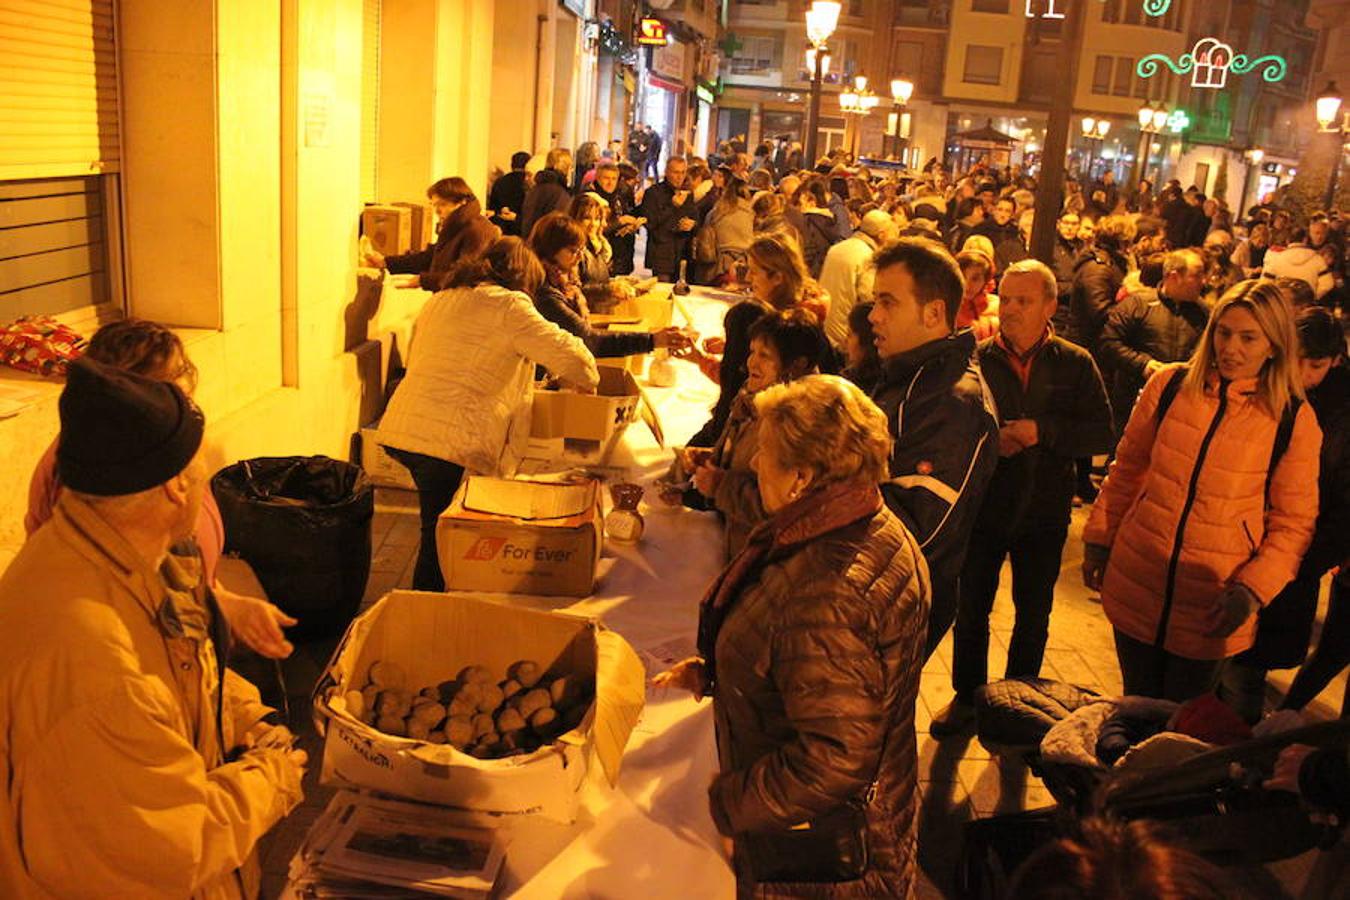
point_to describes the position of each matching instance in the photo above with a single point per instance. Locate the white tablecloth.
(651, 836)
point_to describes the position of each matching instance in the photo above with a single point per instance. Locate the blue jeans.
(436, 480)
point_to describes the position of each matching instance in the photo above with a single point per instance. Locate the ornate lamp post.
(858, 101)
(1094, 130)
(821, 20)
(1332, 122)
(1152, 120)
(901, 90)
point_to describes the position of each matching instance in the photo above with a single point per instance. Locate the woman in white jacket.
(465, 402)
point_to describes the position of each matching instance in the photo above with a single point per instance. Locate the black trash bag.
(303, 524)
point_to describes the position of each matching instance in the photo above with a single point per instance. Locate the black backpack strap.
(1169, 393)
(1284, 433)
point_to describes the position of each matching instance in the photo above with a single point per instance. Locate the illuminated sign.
(704, 94)
(1209, 63)
(1178, 121)
(652, 33)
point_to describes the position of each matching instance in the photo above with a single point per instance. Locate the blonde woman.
(1210, 504)
(591, 212)
(810, 642)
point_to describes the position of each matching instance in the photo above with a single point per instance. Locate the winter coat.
(1097, 276)
(508, 192)
(1020, 711)
(1301, 262)
(979, 314)
(847, 276)
(734, 230)
(813, 658)
(1186, 224)
(548, 195)
(1062, 262)
(818, 235)
(464, 235)
(114, 775)
(843, 229)
(945, 432)
(731, 371)
(1249, 258)
(560, 301)
(467, 395)
(1063, 393)
(737, 495)
(665, 242)
(620, 204)
(1144, 327)
(997, 233)
(1183, 512)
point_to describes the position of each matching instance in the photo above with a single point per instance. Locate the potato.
(356, 704)
(446, 690)
(471, 692)
(483, 724)
(392, 725)
(371, 693)
(388, 675)
(417, 730)
(491, 698)
(394, 703)
(437, 737)
(475, 674)
(509, 720)
(526, 671)
(563, 690)
(510, 687)
(429, 692)
(458, 732)
(543, 721)
(532, 702)
(430, 714)
(480, 751)
(463, 706)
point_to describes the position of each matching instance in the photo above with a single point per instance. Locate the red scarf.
(815, 514)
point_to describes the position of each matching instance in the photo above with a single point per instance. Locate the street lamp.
(1329, 117)
(1094, 130)
(821, 20)
(901, 90)
(858, 101)
(1152, 120)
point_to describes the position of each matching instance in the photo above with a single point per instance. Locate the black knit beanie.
(122, 433)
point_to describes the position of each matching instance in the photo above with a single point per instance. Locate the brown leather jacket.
(817, 669)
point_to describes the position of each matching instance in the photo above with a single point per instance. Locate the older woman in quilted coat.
(1194, 530)
(810, 645)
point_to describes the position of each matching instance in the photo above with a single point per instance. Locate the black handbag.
(828, 849)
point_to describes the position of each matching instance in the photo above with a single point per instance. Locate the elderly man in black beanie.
(129, 767)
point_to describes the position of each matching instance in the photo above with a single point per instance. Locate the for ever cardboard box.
(433, 636)
(584, 428)
(521, 537)
(388, 227)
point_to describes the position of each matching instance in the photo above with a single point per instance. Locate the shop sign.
(652, 32)
(668, 61)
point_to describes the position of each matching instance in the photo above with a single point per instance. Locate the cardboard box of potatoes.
(522, 701)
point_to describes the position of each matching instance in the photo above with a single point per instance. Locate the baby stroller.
(1214, 802)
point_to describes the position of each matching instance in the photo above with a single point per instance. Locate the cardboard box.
(423, 224)
(388, 227)
(522, 537)
(433, 636)
(382, 468)
(637, 362)
(584, 428)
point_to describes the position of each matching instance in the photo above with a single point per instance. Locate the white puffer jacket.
(467, 395)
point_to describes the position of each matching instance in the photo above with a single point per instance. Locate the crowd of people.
(906, 400)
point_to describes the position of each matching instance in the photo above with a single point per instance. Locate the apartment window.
(908, 59)
(1134, 12)
(1101, 75)
(990, 6)
(1124, 76)
(984, 65)
(1111, 11)
(755, 56)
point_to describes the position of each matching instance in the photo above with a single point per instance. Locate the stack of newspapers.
(367, 847)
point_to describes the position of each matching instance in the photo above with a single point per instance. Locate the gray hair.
(1040, 270)
(1184, 260)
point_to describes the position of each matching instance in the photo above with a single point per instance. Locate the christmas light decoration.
(1209, 63)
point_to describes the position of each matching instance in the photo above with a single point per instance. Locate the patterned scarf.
(815, 514)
